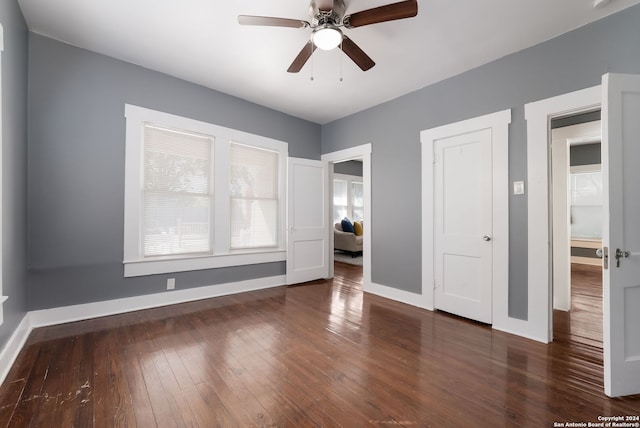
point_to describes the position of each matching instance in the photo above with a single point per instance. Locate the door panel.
(307, 239)
(463, 223)
(621, 281)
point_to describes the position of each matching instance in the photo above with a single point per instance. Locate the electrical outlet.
(518, 187)
(171, 284)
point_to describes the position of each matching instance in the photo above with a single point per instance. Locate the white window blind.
(254, 197)
(339, 200)
(348, 198)
(177, 199)
(586, 205)
(357, 201)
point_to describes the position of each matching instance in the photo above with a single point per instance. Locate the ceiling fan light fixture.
(327, 37)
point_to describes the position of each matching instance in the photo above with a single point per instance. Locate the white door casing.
(463, 225)
(362, 152)
(561, 141)
(307, 225)
(621, 224)
(498, 124)
(620, 347)
(538, 324)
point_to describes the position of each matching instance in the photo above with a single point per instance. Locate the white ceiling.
(201, 41)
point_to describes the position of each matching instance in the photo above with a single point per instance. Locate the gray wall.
(14, 167)
(76, 155)
(585, 154)
(76, 169)
(349, 168)
(567, 63)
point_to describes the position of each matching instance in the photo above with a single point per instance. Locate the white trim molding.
(499, 124)
(359, 152)
(61, 315)
(396, 294)
(538, 114)
(14, 345)
(362, 152)
(221, 254)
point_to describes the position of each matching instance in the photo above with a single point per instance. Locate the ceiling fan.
(327, 20)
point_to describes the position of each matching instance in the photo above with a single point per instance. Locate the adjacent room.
(325, 213)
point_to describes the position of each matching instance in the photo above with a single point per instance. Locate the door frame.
(499, 124)
(358, 152)
(539, 325)
(561, 140)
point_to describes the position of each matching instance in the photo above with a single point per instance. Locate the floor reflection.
(317, 354)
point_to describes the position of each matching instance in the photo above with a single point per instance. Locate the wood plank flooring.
(318, 354)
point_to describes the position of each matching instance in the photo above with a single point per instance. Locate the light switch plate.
(518, 187)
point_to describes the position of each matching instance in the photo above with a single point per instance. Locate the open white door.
(463, 225)
(308, 232)
(621, 234)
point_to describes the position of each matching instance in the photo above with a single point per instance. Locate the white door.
(621, 234)
(463, 225)
(308, 232)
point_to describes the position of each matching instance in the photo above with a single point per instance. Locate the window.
(586, 202)
(348, 199)
(254, 197)
(200, 196)
(357, 201)
(177, 188)
(340, 199)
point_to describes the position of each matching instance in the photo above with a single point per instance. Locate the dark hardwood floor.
(317, 354)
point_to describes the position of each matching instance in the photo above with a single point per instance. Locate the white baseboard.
(402, 296)
(13, 346)
(509, 325)
(53, 316)
(518, 328)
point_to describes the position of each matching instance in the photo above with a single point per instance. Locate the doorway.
(348, 212)
(362, 154)
(619, 96)
(577, 212)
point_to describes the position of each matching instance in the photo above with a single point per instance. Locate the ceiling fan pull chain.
(312, 59)
(341, 55)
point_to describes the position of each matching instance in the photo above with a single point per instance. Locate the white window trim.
(3, 298)
(134, 263)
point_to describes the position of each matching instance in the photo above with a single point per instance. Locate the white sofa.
(346, 241)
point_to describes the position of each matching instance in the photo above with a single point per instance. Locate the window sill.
(135, 268)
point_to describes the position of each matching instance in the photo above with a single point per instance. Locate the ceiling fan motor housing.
(326, 12)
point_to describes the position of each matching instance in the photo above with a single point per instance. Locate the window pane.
(175, 224)
(357, 199)
(586, 189)
(254, 197)
(358, 214)
(177, 202)
(254, 172)
(254, 223)
(586, 222)
(340, 192)
(586, 205)
(339, 213)
(176, 161)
